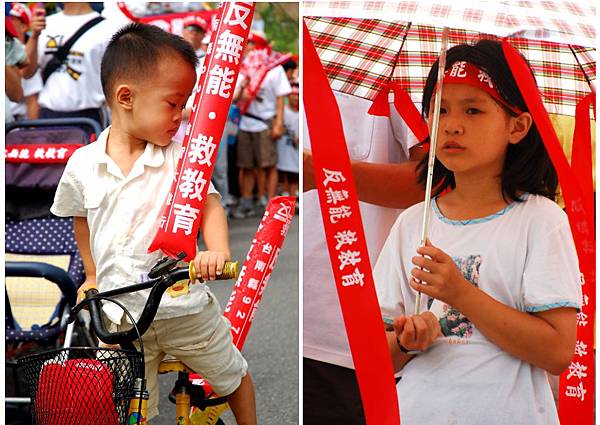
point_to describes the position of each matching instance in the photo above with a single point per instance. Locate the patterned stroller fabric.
(47, 236)
(32, 233)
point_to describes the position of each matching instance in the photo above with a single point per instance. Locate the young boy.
(115, 189)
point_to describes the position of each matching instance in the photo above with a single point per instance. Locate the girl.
(501, 263)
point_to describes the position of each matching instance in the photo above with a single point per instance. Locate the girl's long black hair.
(527, 166)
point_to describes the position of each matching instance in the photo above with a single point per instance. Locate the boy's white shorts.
(201, 341)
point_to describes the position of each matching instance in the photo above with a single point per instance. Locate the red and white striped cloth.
(571, 22)
(361, 56)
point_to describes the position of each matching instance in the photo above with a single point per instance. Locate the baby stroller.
(43, 267)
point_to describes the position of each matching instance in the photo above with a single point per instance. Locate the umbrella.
(362, 57)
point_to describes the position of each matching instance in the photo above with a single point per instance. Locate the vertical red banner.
(577, 386)
(183, 206)
(347, 245)
(257, 268)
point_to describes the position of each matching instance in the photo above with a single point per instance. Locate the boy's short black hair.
(527, 166)
(136, 50)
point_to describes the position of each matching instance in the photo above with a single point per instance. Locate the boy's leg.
(242, 402)
(203, 342)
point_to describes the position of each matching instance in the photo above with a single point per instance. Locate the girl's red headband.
(463, 72)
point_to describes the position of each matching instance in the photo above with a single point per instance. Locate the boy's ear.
(124, 97)
(520, 126)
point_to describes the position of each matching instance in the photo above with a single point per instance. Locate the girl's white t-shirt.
(523, 256)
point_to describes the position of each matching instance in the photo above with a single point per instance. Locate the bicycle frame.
(165, 277)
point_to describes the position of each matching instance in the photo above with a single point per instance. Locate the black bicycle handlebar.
(158, 285)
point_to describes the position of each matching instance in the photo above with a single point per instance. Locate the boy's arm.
(215, 233)
(82, 237)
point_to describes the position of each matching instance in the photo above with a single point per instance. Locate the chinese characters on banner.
(576, 391)
(347, 245)
(183, 206)
(257, 268)
(171, 22)
(46, 154)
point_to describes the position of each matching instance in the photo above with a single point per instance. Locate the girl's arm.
(545, 339)
(412, 333)
(215, 233)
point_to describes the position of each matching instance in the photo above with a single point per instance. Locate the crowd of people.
(53, 70)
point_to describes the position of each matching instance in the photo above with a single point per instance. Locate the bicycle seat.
(171, 364)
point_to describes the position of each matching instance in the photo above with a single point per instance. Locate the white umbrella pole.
(432, 145)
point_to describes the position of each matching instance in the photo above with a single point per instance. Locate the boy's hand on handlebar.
(90, 283)
(209, 264)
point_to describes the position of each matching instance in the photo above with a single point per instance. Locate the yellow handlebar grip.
(230, 271)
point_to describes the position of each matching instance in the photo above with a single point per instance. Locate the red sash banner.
(577, 391)
(404, 106)
(347, 245)
(181, 217)
(40, 154)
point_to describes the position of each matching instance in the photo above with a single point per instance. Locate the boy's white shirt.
(275, 85)
(524, 258)
(123, 215)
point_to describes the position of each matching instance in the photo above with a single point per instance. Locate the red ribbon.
(576, 392)
(255, 67)
(405, 107)
(183, 206)
(40, 154)
(347, 245)
(581, 156)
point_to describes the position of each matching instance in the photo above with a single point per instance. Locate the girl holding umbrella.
(500, 264)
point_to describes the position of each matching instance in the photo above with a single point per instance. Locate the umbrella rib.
(587, 78)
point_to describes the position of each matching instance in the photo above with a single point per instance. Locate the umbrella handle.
(432, 146)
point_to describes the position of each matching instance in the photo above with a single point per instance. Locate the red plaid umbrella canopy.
(361, 56)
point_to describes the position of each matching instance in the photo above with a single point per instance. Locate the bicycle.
(116, 376)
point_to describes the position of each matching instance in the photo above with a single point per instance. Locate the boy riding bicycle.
(114, 189)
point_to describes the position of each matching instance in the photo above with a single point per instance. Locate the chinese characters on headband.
(212, 99)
